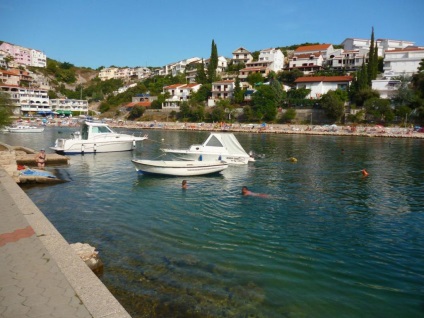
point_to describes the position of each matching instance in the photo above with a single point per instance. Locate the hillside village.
(316, 70)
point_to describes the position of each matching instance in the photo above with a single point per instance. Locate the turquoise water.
(326, 243)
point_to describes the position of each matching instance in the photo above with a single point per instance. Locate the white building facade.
(178, 93)
(27, 100)
(275, 58)
(383, 45)
(320, 85)
(68, 106)
(403, 62)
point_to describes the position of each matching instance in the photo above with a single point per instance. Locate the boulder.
(90, 256)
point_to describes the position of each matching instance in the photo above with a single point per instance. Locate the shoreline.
(316, 130)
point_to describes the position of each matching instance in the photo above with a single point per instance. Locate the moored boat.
(218, 146)
(179, 168)
(96, 137)
(25, 129)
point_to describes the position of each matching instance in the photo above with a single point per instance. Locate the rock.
(90, 256)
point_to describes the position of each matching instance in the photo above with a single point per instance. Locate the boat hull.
(179, 168)
(25, 129)
(79, 146)
(193, 156)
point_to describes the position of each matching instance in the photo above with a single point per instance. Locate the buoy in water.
(364, 173)
(293, 159)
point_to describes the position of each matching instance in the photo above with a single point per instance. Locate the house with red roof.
(310, 58)
(325, 49)
(320, 85)
(307, 63)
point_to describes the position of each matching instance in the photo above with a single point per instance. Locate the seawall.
(40, 274)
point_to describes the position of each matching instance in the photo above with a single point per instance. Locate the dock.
(14, 159)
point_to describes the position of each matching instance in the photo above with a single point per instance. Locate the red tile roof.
(310, 79)
(317, 47)
(142, 104)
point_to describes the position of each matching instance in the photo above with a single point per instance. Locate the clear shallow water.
(327, 243)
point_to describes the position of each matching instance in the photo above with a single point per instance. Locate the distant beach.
(335, 130)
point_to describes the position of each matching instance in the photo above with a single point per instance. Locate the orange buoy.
(364, 173)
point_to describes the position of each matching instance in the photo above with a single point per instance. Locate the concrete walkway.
(40, 275)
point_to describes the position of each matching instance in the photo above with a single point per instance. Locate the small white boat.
(25, 129)
(96, 137)
(179, 168)
(218, 146)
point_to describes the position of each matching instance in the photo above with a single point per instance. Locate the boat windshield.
(214, 142)
(101, 130)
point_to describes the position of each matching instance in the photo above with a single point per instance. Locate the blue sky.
(96, 33)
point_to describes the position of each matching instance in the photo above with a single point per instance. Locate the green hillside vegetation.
(83, 83)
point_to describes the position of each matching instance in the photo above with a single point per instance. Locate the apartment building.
(383, 45)
(24, 56)
(65, 106)
(402, 62)
(27, 100)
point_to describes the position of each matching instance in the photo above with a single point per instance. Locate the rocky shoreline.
(333, 130)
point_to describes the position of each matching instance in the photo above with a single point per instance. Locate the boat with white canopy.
(218, 146)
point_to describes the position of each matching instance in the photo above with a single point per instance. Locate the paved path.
(40, 275)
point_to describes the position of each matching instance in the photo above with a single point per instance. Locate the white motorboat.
(25, 129)
(96, 137)
(179, 168)
(218, 146)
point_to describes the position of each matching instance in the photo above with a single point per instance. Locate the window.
(342, 87)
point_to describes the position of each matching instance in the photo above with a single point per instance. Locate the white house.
(349, 60)
(307, 62)
(403, 62)
(387, 88)
(383, 45)
(108, 73)
(38, 58)
(274, 57)
(320, 85)
(241, 55)
(324, 49)
(177, 67)
(221, 90)
(222, 64)
(179, 93)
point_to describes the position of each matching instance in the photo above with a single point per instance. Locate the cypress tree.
(375, 66)
(238, 93)
(371, 59)
(363, 77)
(213, 63)
(201, 75)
